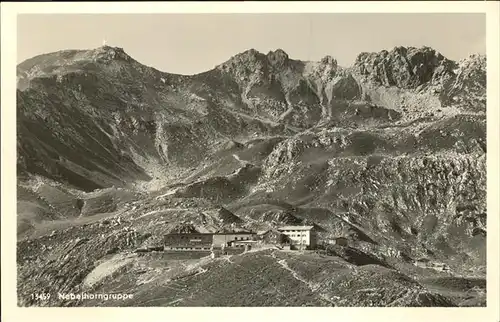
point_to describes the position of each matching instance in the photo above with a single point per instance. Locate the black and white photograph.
(316, 159)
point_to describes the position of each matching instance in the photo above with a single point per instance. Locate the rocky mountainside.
(391, 151)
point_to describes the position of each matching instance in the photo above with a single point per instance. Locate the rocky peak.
(243, 64)
(329, 60)
(252, 58)
(59, 65)
(468, 87)
(60, 60)
(108, 54)
(248, 56)
(475, 59)
(255, 67)
(473, 67)
(278, 57)
(404, 67)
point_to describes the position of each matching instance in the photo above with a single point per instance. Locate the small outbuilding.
(341, 241)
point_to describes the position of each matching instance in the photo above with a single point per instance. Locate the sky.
(194, 43)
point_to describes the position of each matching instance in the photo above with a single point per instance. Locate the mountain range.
(391, 151)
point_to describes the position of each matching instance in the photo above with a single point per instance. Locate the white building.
(300, 236)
